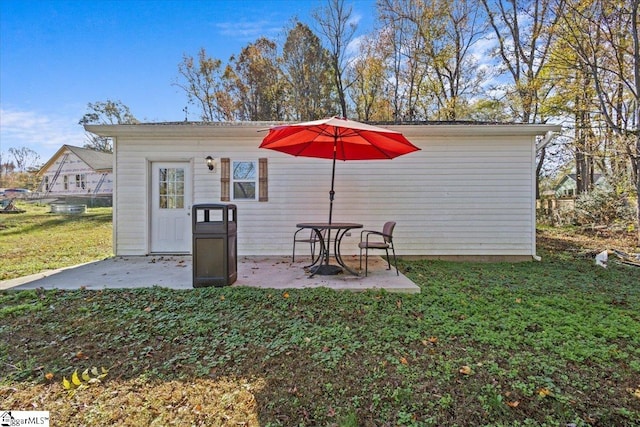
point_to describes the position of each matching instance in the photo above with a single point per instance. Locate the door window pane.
(171, 188)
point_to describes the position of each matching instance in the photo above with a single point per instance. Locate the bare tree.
(105, 112)
(525, 32)
(338, 29)
(443, 34)
(25, 159)
(406, 70)
(201, 80)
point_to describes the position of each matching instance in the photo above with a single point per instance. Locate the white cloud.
(354, 48)
(355, 18)
(42, 133)
(247, 31)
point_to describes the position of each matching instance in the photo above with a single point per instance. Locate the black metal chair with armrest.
(312, 239)
(370, 239)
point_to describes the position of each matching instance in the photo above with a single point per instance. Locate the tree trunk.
(543, 153)
(635, 164)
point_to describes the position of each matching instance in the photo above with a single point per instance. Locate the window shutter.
(225, 179)
(263, 185)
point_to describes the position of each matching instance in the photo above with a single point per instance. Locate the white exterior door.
(171, 196)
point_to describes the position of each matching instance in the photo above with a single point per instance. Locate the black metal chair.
(312, 239)
(370, 239)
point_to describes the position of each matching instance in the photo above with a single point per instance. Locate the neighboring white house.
(75, 171)
(469, 192)
(568, 186)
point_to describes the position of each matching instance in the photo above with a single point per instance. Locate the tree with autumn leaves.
(603, 38)
(575, 62)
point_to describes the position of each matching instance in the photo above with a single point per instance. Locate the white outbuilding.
(468, 194)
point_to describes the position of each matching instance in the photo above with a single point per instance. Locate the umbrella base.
(326, 270)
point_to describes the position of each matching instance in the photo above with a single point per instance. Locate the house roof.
(573, 177)
(96, 160)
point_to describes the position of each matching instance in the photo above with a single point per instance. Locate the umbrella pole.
(333, 174)
(331, 196)
(332, 193)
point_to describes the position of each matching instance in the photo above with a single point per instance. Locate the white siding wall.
(471, 194)
(71, 167)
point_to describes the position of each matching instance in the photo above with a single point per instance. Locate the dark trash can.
(215, 250)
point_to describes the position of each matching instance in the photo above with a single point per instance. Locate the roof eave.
(257, 129)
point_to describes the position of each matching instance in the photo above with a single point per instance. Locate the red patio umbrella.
(338, 139)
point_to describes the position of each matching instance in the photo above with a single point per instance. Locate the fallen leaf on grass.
(635, 393)
(404, 361)
(544, 392)
(75, 379)
(430, 340)
(465, 370)
(513, 404)
(49, 376)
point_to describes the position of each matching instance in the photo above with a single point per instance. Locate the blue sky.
(57, 56)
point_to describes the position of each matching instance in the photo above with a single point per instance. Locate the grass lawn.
(553, 343)
(37, 240)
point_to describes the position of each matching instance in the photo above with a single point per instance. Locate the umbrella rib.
(306, 144)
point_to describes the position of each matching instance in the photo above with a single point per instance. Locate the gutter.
(539, 146)
(547, 139)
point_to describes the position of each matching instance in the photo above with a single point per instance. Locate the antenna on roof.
(186, 118)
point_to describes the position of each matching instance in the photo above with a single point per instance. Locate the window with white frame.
(244, 180)
(65, 180)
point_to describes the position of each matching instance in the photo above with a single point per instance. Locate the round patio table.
(321, 265)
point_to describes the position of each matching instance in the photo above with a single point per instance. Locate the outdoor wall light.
(211, 164)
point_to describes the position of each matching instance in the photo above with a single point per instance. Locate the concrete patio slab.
(174, 272)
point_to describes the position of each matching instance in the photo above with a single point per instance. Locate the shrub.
(604, 206)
